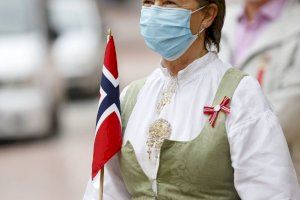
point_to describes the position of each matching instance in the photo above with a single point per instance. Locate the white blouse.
(263, 169)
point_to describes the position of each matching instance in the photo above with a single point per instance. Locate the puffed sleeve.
(260, 157)
(114, 188)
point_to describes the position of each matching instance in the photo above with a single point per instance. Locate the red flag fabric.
(108, 136)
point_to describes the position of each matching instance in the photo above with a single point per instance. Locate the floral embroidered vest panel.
(196, 169)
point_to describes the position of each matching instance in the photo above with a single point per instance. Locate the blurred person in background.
(262, 38)
(195, 128)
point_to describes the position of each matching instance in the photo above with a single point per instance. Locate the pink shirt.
(247, 32)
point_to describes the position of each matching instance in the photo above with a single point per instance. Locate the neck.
(252, 7)
(197, 50)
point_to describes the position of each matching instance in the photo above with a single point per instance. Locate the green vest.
(188, 170)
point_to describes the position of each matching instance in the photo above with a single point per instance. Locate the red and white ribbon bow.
(214, 111)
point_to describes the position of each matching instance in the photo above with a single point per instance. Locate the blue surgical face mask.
(167, 30)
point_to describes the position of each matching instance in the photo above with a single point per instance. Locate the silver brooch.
(159, 131)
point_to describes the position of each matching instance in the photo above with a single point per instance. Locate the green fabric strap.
(127, 104)
(228, 84)
(227, 87)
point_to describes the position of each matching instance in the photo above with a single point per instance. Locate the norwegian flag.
(108, 136)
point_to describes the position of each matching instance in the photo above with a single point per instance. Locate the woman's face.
(197, 17)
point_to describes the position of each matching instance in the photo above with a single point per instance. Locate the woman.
(195, 128)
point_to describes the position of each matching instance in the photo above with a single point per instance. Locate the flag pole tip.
(109, 32)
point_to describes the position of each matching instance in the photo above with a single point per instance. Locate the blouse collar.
(192, 69)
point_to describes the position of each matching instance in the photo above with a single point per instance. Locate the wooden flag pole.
(101, 182)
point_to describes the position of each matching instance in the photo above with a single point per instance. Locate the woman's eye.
(148, 3)
(170, 4)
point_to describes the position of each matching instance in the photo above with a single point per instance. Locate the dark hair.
(213, 33)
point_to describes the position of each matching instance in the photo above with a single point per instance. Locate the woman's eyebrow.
(175, 1)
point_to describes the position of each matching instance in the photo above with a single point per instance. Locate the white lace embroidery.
(161, 129)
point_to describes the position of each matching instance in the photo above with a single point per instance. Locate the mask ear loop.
(202, 29)
(198, 9)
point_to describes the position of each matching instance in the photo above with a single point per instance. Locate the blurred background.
(50, 63)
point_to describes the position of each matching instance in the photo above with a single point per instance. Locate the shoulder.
(291, 12)
(249, 94)
(248, 102)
